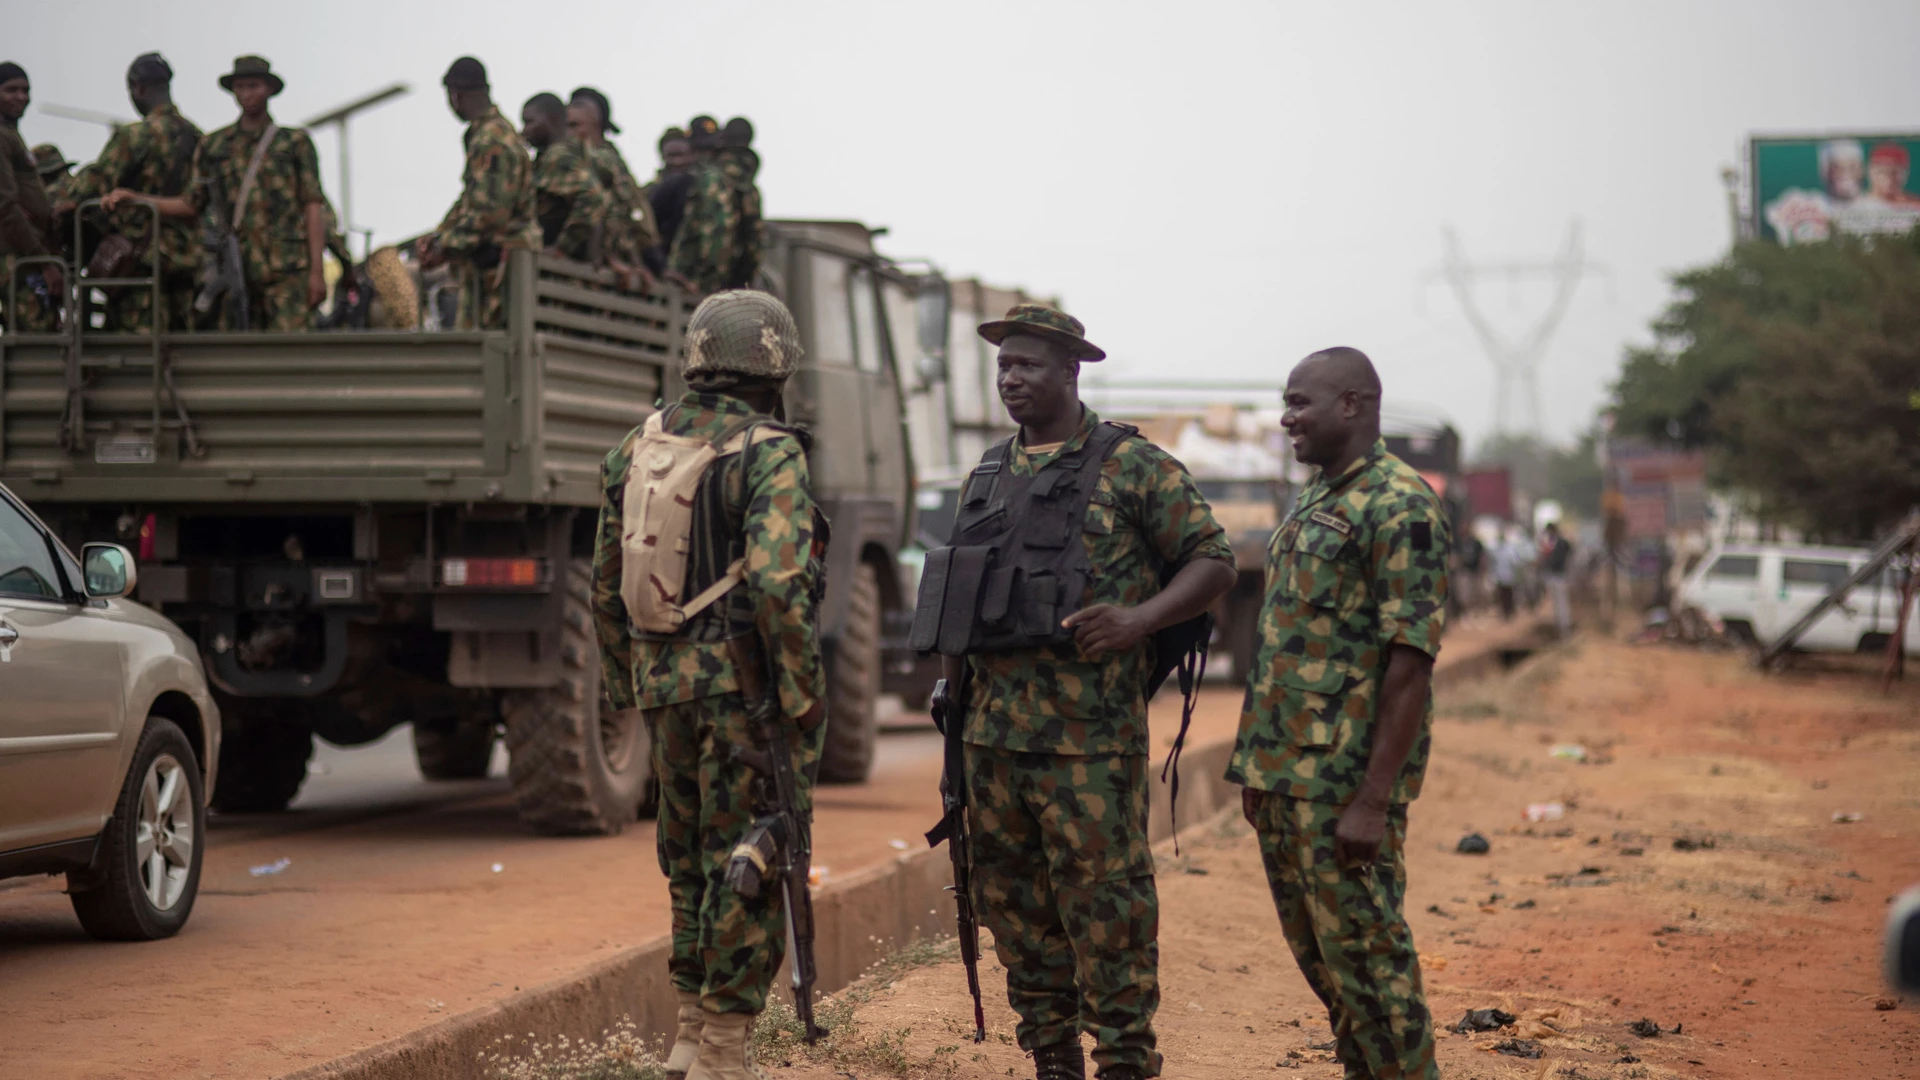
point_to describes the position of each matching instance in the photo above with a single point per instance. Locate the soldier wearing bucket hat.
(754, 521)
(1054, 668)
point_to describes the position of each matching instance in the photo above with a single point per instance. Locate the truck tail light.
(492, 573)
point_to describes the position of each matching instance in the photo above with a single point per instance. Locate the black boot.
(1061, 1061)
(1121, 1072)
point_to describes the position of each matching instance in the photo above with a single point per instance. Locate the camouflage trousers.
(483, 295)
(1063, 877)
(278, 306)
(726, 947)
(1350, 937)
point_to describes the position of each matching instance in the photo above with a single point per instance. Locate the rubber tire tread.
(117, 910)
(559, 777)
(452, 749)
(263, 762)
(853, 685)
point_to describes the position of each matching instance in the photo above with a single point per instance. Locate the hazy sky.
(1215, 188)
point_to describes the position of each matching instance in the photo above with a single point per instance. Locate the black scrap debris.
(1328, 1045)
(1688, 843)
(1647, 1029)
(1626, 1059)
(1482, 1020)
(1520, 1048)
(1473, 844)
(1436, 909)
(1524, 905)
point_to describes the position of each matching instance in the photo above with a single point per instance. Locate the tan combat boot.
(686, 1037)
(723, 1049)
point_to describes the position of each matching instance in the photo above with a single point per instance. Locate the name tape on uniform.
(1321, 517)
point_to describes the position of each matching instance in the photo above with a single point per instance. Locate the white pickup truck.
(1760, 590)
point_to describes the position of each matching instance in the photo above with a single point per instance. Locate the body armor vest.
(1016, 564)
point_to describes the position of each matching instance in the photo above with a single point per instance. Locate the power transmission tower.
(1516, 364)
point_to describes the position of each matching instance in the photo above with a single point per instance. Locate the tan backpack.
(663, 477)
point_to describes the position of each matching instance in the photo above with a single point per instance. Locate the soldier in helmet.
(754, 523)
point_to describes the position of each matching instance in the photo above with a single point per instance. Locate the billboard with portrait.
(1808, 188)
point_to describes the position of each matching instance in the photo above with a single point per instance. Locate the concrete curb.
(859, 920)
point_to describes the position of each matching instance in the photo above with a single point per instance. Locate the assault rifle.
(780, 842)
(949, 711)
(221, 271)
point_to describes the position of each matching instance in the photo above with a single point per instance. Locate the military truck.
(368, 528)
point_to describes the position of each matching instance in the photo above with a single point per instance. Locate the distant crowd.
(243, 225)
(1517, 571)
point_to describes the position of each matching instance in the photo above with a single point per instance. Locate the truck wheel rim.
(619, 734)
(163, 835)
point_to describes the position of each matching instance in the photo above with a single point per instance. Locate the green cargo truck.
(369, 528)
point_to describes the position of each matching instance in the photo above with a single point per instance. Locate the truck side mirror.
(1903, 942)
(109, 571)
(935, 304)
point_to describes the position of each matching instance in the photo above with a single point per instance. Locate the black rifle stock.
(780, 842)
(221, 271)
(949, 709)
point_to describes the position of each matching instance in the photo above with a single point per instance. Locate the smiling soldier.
(1334, 733)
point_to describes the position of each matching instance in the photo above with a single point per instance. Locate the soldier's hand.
(1106, 627)
(316, 288)
(1359, 832)
(114, 199)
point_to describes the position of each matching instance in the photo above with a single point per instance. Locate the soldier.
(667, 194)
(1055, 723)
(703, 138)
(26, 216)
(262, 181)
(753, 504)
(630, 226)
(153, 155)
(1335, 729)
(56, 172)
(495, 212)
(719, 243)
(568, 200)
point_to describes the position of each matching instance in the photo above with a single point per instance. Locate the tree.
(1797, 369)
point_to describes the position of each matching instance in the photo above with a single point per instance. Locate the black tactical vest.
(1016, 564)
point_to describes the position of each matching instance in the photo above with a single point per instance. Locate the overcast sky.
(1215, 188)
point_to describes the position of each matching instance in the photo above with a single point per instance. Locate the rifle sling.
(253, 173)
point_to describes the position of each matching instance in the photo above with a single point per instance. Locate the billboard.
(1810, 187)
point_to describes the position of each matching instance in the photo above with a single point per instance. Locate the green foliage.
(1797, 369)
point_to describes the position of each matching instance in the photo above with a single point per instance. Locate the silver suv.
(108, 735)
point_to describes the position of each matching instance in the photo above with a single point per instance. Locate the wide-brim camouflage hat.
(1043, 321)
(743, 331)
(49, 161)
(252, 67)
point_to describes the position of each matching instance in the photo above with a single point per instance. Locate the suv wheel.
(148, 867)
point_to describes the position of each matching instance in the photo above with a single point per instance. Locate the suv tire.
(853, 685)
(146, 872)
(263, 762)
(575, 770)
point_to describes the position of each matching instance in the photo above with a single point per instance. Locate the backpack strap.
(748, 432)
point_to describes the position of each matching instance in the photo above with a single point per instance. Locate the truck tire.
(575, 769)
(263, 762)
(148, 869)
(853, 685)
(452, 747)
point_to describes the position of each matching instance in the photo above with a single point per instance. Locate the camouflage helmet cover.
(743, 331)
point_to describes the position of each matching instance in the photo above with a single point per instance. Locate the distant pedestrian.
(1555, 561)
(1508, 554)
(1335, 734)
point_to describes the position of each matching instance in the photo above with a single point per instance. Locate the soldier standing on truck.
(153, 155)
(1055, 722)
(568, 199)
(267, 180)
(26, 215)
(719, 243)
(495, 212)
(630, 226)
(1335, 731)
(753, 523)
(667, 194)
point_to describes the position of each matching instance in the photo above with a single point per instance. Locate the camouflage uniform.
(273, 226)
(720, 241)
(153, 156)
(1056, 763)
(1358, 567)
(26, 228)
(569, 201)
(494, 212)
(726, 949)
(630, 227)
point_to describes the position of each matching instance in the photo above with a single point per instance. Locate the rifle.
(221, 271)
(779, 844)
(948, 715)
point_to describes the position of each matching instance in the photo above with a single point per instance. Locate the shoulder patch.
(1422, 532)
(1321, 517)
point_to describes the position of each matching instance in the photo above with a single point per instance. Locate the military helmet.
(743, 331)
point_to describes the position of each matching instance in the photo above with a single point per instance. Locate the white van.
(1761, 590)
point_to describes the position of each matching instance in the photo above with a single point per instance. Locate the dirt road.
(1698, 880)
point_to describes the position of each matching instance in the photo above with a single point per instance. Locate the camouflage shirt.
(273, 224)
(630, 228)
(496, 194)
(1146, 513)
(719, 243)
(774, 494)
(153, 156)
(568, 199)
(1359, 566)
